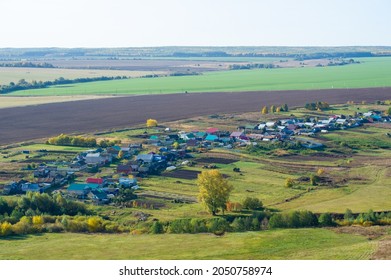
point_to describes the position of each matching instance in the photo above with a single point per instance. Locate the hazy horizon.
(154, 23)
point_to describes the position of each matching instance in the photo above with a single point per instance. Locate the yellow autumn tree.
(151, 123)
(272, 109)
(94, 224)
(37, 220)
(5, 229)
(265, 110)
(289, 182)
(214, 190)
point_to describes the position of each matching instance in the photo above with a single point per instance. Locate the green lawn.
(276, 244)
(372, 72)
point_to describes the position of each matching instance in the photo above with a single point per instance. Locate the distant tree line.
(24, 85)
(332, 55)
(27, 64)
(297, 56)
(178, 74)
(252, 66)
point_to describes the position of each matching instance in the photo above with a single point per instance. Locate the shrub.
(156, 228)
(295, 219)
(289, 182)
(95, 224)
(21, 227)
(217, 225)
(54, 228)
(180, 226)
(326, 220)
(348, 216)
(198, 225)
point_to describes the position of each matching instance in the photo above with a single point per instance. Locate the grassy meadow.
(371, 72)
(268, 245)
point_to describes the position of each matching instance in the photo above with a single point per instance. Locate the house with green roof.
(81, 190)
(211, 138)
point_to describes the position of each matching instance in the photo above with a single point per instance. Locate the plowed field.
(32, 122)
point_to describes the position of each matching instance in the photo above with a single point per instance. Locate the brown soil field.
(216, 160)
(166, 65)
(91, 116)
(182, 174)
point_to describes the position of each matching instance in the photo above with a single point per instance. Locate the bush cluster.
(294, 219)
(77, 141)
(366, 219)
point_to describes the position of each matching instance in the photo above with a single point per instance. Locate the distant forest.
(27, 64)
(301, 53)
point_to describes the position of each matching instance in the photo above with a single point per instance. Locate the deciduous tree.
(151, 123)
(214, 190)
(265, 110)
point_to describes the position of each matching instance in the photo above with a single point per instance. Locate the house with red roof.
(212, 130)
(98, 181)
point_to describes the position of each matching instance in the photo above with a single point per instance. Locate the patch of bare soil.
(373, 232)
(216, 160)
(315, 157)
(384, 250)
(182, 174)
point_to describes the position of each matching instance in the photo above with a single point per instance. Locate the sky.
(143, 23)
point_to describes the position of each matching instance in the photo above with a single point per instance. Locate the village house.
(81, 190)
(98, 158)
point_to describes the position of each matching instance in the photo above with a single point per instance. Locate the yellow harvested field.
(18, 101)
(14, 74)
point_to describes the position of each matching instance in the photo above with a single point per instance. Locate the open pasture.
(268, 245)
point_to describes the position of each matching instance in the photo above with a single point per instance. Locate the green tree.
(272, 109)
(348, 216)
(125, 195)
(157, 228)
(314, 179)
(326, 220)
(285, 107)
(252, 203)
(214, 190)
(388, 112)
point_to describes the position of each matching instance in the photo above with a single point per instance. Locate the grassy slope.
(277, 244)
(374, 72)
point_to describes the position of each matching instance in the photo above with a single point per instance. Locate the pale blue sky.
(135, 23)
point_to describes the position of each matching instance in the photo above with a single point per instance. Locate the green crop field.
(276, 244)
(371, 72)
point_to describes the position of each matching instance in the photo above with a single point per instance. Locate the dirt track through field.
(32, 122)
